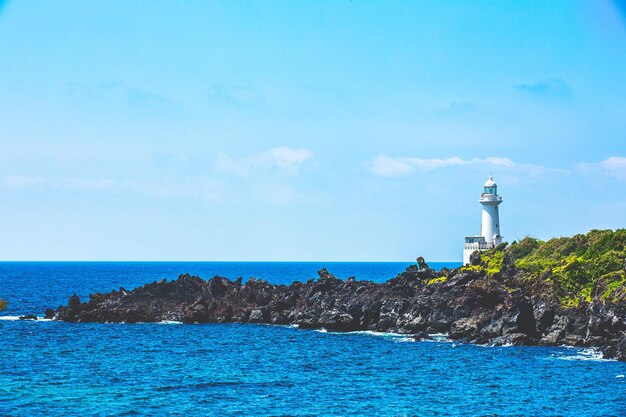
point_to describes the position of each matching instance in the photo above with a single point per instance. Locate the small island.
(566, 291)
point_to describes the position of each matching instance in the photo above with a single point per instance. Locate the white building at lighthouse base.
(473, 244)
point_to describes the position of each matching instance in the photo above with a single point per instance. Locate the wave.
(396, 337)
(17, 318)
(439, 337)
(578, 354)
(392, 336)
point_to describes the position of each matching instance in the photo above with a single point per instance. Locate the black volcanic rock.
(468, 304)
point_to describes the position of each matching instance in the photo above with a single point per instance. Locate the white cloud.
(288, 158)
(502, 162)
(59, 183)
(387, 166)
(614, 163)
(434, 163)
(281, 158)
(614, 166)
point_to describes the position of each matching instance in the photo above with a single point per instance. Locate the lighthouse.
(490, 226)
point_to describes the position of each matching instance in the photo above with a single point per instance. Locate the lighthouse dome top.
(490, 182)
(490, 188)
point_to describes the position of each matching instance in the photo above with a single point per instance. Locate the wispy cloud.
(554, 87)
(615, 166)
(387, 166)
(288, 158)
(136, 95)
(233, 94)
(281, 158)
(204, 188)
(119, 92)
(80, 184)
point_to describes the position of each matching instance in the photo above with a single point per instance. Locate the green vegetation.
(490, 261)
(437, 280)
(576, 268)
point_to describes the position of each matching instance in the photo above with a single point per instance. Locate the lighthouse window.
(490, 190)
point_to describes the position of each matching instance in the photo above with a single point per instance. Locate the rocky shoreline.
(470, 306)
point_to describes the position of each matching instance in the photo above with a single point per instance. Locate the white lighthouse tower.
(490, 227)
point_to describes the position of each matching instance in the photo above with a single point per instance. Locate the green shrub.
(494, 262)
(571, 267)
(615, 287)
(524, 247)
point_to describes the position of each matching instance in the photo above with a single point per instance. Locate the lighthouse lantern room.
(490, 227)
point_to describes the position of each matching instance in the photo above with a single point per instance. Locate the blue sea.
(70, 369)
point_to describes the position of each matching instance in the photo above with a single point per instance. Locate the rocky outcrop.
(469, 305)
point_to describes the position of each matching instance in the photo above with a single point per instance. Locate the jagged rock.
(551, 339)
(256, 316)
(514, 339)
(421, 263)
(475, 259)
(460, 279)
(616, 349)
(28, 317)
(419, 336)
(574, 340)
(469, 305)
(466, 328)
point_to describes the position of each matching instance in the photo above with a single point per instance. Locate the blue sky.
(321, 130)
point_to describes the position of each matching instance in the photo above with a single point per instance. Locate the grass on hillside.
(576, 268)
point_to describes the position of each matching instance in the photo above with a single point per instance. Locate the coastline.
(416, 302)
(579, 353)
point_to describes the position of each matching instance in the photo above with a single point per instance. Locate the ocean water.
(67, 369)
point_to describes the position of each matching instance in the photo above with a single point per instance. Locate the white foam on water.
(396, 337)
(392, 336)
(588, 354)
(170, 322)
(403, 339)
(439, 337)
(379, 334)
(619, 376)
(17, 318)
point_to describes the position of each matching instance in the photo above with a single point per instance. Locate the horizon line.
(212, 261)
